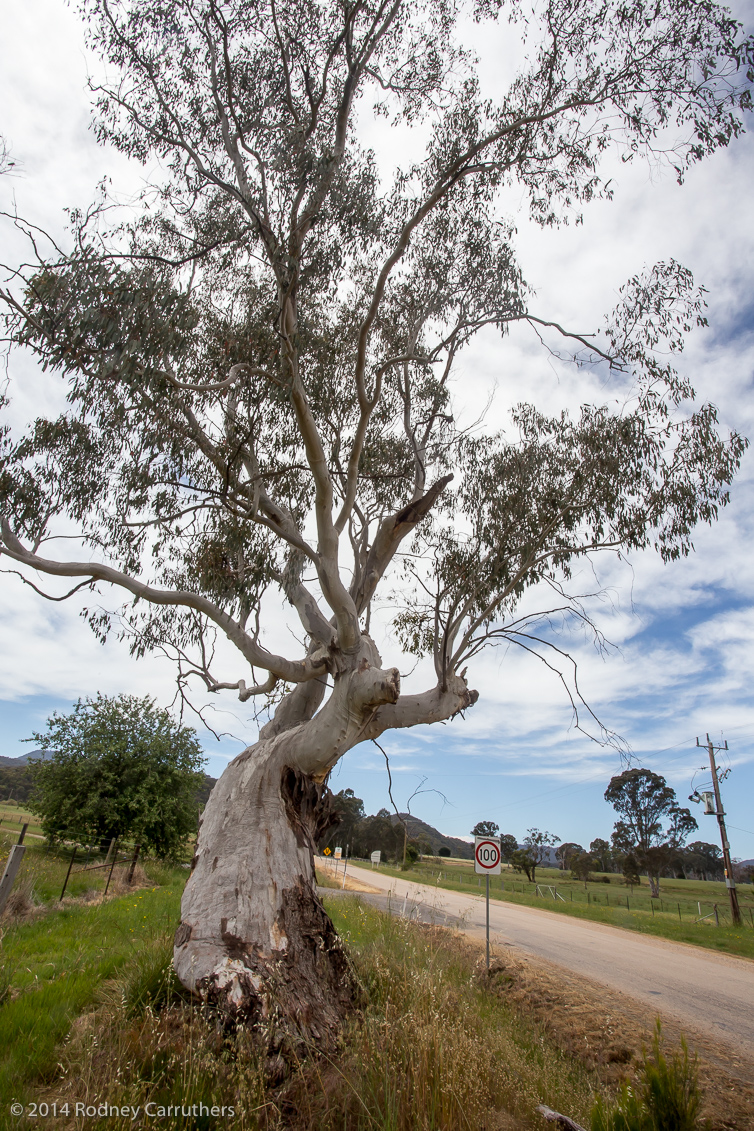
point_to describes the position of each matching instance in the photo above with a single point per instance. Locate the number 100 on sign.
(487, 855)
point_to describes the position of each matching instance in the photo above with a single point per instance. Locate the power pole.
(730, 882)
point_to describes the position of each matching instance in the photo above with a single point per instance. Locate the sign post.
(487, 863)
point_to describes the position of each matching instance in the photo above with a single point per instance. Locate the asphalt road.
(703, 990)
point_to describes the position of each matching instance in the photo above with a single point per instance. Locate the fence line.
(631, 900)
(16, 855)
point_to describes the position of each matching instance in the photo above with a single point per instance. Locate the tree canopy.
(653, 825)
(485, 828)
(649, 810)
(260, 361)
(118, 767)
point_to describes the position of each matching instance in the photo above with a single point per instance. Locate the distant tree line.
(362, 835)
(649, 837)
(696, 861)
(15, 783)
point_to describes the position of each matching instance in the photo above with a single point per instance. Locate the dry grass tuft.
(21, 902)
(119, 884)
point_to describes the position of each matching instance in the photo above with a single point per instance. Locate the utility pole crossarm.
(730, 882)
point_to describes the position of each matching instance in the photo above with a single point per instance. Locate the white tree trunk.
(254, 939)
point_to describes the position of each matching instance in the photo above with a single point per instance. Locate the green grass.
(612, 903)
(53, 967)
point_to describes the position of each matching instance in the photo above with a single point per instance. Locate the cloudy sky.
(682, 662)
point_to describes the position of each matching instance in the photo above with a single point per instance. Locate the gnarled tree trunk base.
(299, 997)
(255, 941)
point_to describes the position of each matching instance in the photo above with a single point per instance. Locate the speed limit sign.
(487, 855)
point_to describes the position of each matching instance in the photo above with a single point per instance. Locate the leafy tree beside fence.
(119, 767)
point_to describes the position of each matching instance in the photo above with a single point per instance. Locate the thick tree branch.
(290, 670)
(390, 534)
(431, 706)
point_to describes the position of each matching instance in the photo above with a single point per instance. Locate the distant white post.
(487, 863)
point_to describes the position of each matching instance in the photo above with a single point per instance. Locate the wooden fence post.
(133, 864)
(12, 864)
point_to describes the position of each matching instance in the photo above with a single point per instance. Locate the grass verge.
(433, 1050)
(52, 967)
(94, 1016)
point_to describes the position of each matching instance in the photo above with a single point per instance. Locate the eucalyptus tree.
(261, 401)
(653, 825)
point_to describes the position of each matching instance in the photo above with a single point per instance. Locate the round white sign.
(487, 855)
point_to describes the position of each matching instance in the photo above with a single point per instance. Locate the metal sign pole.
(487, 878)
(487, 862)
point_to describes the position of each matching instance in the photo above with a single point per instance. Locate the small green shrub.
(628, 1114)
(670, 1089)
(667, 1097)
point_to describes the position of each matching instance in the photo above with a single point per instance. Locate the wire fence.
(116, 854)
(50, 860)
(684, 909)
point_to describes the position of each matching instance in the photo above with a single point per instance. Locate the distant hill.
(24, 759)
(420, 830)
(16, 783)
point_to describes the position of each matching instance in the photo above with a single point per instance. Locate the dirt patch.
(606, 1031)
(353, 883)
